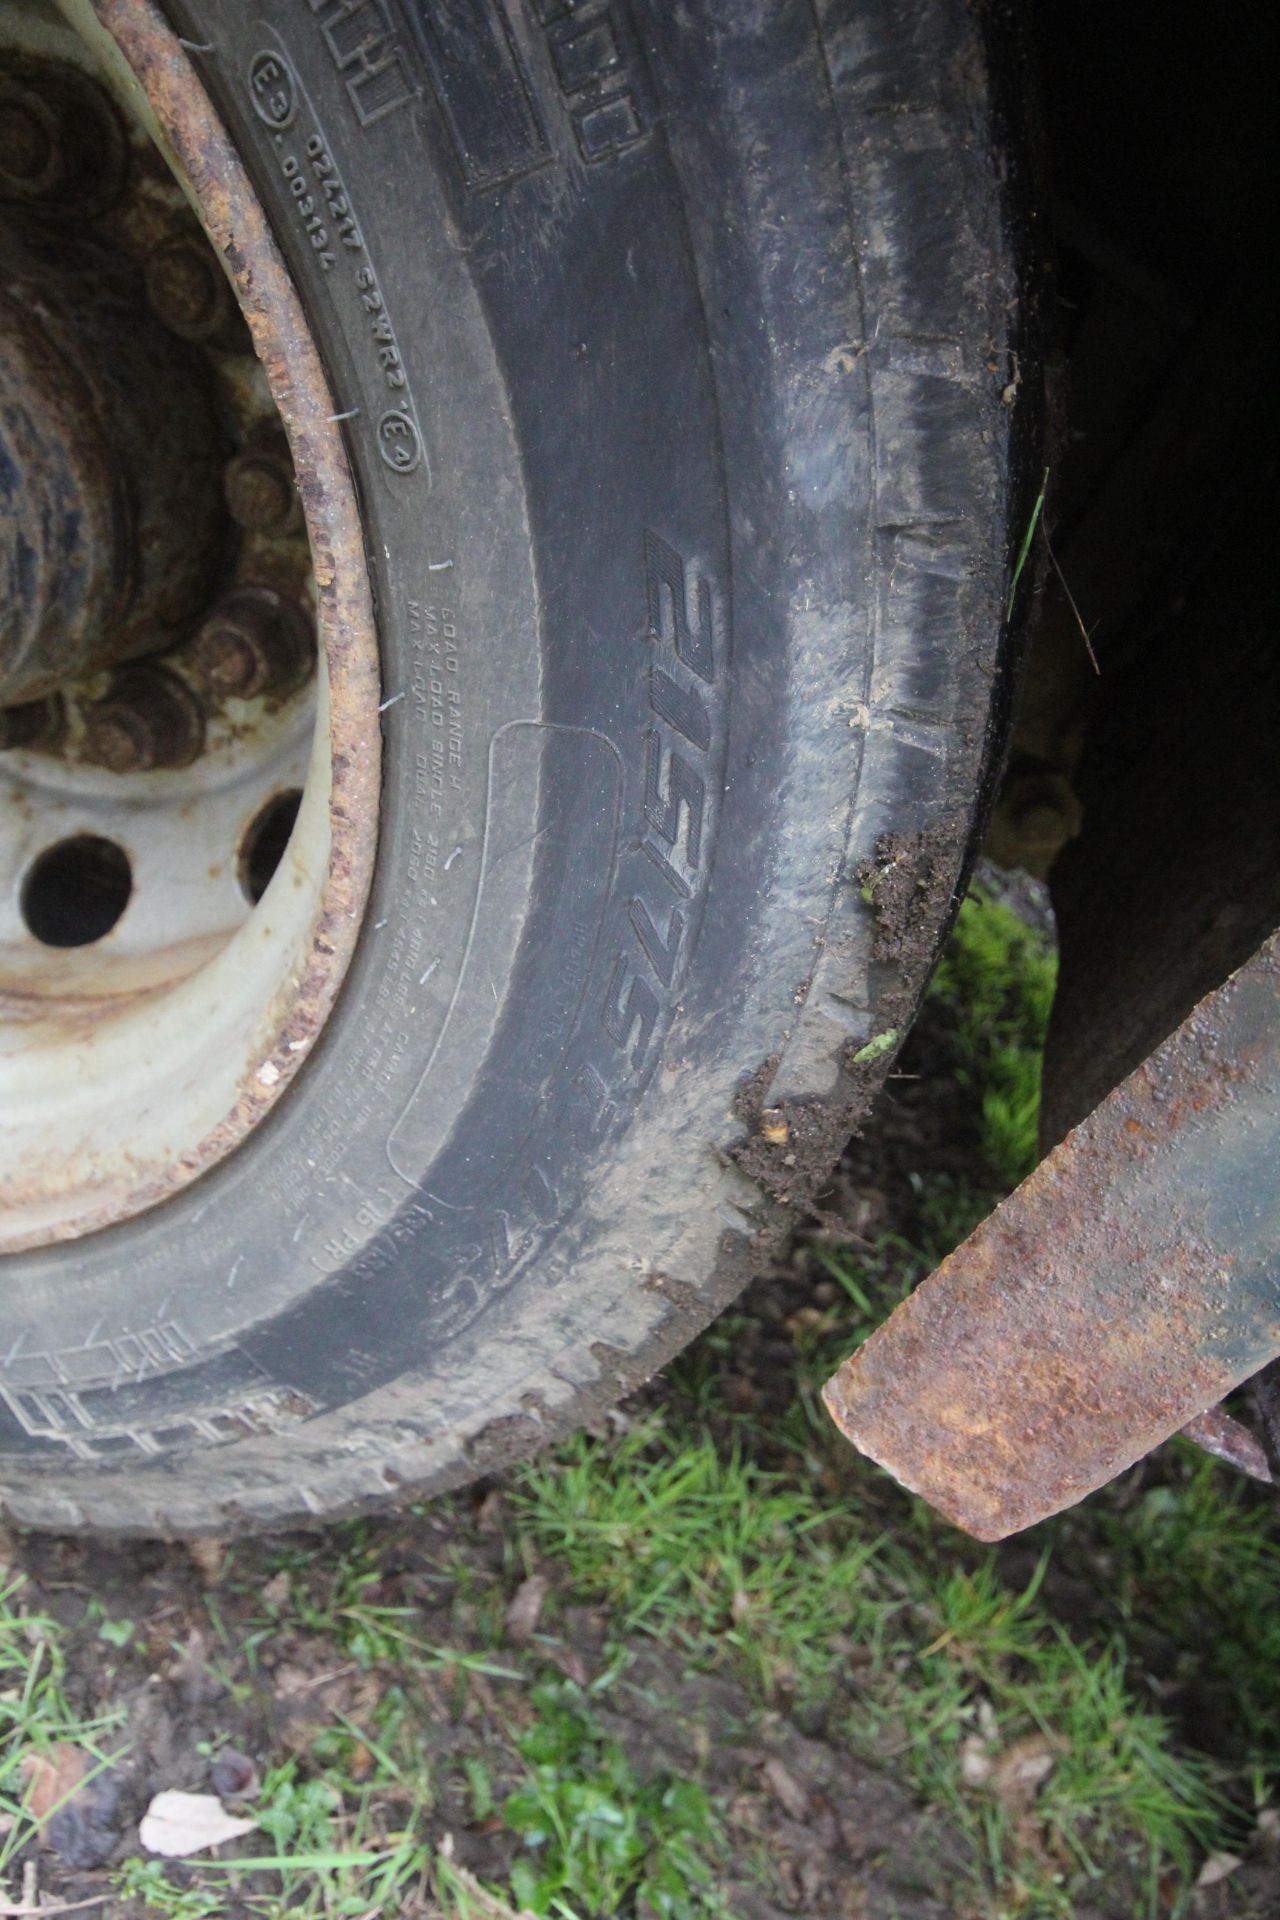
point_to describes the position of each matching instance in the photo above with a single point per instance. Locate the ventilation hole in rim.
(77, 891)
(262, 848)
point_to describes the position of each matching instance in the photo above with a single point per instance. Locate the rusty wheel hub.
(114, 526)
(187, 780)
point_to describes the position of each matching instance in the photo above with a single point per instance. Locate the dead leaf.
(52, 1778)
(279, 1589)
(571, 1664)
(357, 1695)
(523, 1614)
(1022, 1769)
(208, 1558)
(739, 1394)
(310, 1700)
(290, 1682)
(177, 1825)
(299, 1736)
(1219, 1866)
(787, 1790)
(190, 1672)
(976, 1764)
(488, 1513)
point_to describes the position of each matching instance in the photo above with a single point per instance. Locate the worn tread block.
(924, 470)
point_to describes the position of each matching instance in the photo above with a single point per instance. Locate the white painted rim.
(130, 1066)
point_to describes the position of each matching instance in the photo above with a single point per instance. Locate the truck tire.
(704, 327)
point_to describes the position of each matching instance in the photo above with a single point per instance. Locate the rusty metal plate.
(1127, 1285)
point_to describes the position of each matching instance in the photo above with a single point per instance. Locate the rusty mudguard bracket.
(1121, 1291)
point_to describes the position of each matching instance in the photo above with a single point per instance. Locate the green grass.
(597, 1838)
(151, 1883)
(330, 1877)
(324, 1849)
(1193, 1570)
(694, 1543)
(1025, 548)
(685, 1535)
(996, 980)
(1064, 1748)
(685, 1538)
(35, 1715)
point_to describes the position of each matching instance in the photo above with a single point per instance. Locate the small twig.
(44, 1913)
(335, 1673)
(1071, 599)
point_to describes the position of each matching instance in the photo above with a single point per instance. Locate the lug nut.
(190, 294)
(182, 286)
(27, 144)
(149, 719)
(255, 642)
(61, 143)
(37, 723)
(259, 492)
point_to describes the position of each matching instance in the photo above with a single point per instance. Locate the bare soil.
(844, 1841)
(210, 1702)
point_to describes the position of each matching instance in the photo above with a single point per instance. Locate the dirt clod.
(85, 1832)
(234, 1776)
(907, 883)
(523, 1614)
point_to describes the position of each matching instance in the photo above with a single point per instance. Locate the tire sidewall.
(697, 551)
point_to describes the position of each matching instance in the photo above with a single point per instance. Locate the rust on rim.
(298, 1001)
(234, 220)
(1129, 1284)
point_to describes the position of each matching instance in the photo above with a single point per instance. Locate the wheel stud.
(256, 642)
(190, 294)
(259, 493)
(27, 150)
(37, 723)
(61, 145)
(148, 719)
